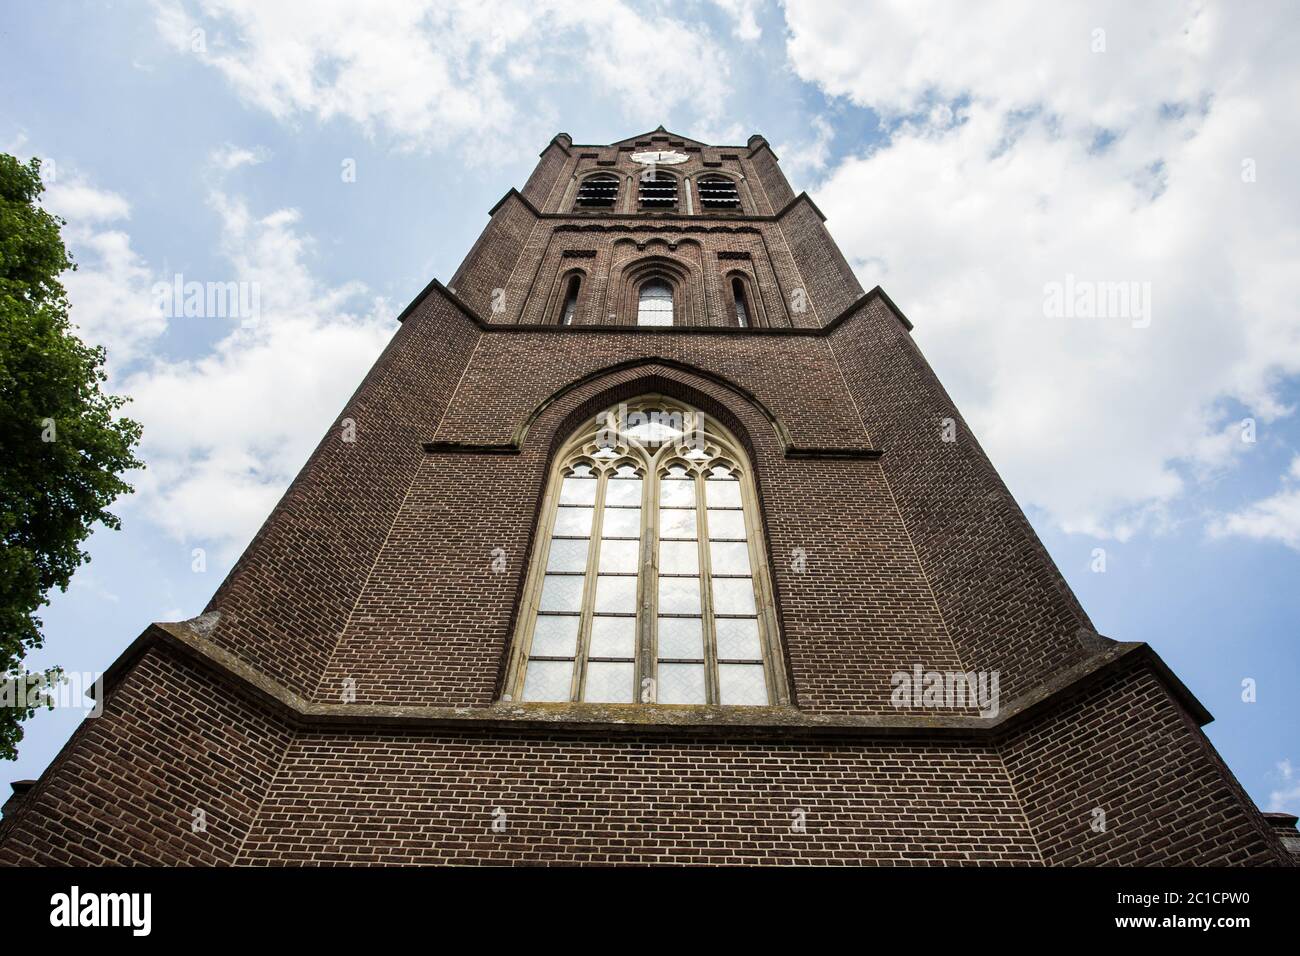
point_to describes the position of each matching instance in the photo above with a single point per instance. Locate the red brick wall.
(549, 172)
(829, 283)
(287, 600)
(768, 172)
(1126, 748)
(1004, 602)
(403, 798)
(171, 740)
(494, 256)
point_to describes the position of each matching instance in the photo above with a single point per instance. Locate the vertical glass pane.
(615, 595)
(656, 303)
(726, 524)
(681, 638)
(741, 684)
(548, 680)
(738, 639)
(677, 493)
(733, 596)
(623, 492)
(679, 557)
(729, 557)
(679, 595)
(722, 494)
(621, 523)
(609, 682)
(555, 636)
(742, 313)
(613, 637)
(568, 554)
(578, 491)
(620, 556)
(676, 523)
(680, 684)
(562, 592)
(573, 522)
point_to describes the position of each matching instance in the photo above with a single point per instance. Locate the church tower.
(651, 538)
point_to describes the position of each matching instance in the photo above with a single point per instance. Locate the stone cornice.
(876, 293)
(651, 218)
(189, 640)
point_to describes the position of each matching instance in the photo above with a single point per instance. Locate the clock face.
(663, 157)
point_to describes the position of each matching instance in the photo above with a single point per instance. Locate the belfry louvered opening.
(598, 192)
(658, 191)
(718, 192)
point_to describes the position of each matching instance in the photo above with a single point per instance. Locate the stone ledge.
(783, 722)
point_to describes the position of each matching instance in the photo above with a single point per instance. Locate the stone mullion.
(712, 694)
(588, 605)
(764, 595)
(648, 587)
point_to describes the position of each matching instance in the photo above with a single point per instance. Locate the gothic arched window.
(655, 303)
(649, 580)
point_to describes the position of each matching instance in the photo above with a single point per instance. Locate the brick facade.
(341, 699)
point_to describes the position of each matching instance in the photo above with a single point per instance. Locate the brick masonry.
(374, 575)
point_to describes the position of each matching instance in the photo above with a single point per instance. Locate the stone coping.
(189, 639)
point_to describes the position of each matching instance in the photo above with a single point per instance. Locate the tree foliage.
(63, 447)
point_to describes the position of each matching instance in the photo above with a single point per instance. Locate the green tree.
(62, 446)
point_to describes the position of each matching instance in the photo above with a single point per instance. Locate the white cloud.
(808, 157)
(230, 156)
(744, 17)
(1286, 799)
(1275, 518)
(468, 74)
(995, 181)
(82, 204)
(110, 290)
(225, 433)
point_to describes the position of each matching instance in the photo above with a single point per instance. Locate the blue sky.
(967, 161)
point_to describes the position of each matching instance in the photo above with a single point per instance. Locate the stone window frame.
(602, 445)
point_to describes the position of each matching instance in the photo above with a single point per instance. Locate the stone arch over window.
(597, 191)
(661, 376)
(649, 582)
